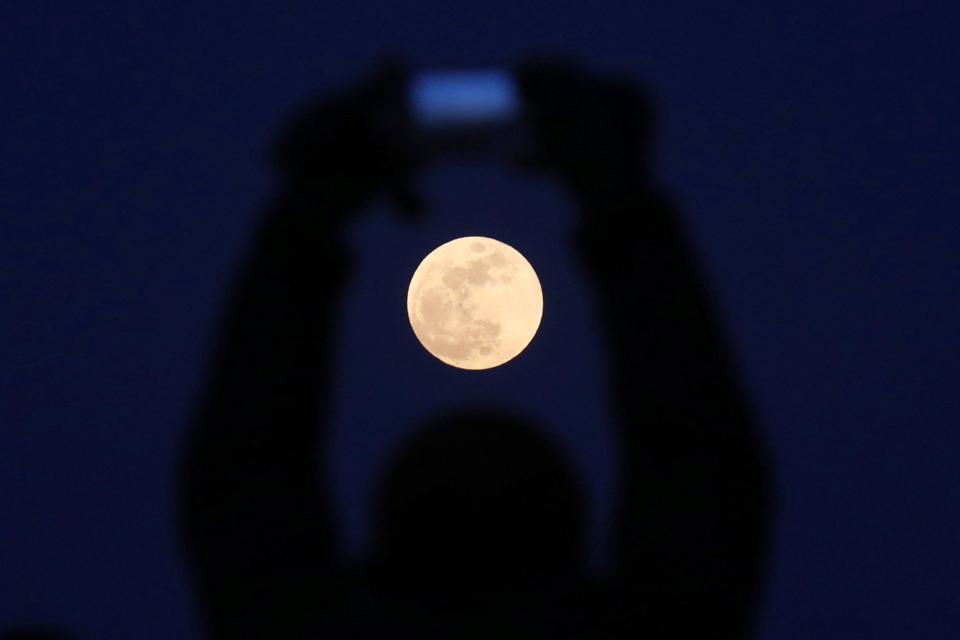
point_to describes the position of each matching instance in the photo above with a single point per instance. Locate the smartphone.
(467, 112)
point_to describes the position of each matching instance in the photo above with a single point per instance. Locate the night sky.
(814, 157)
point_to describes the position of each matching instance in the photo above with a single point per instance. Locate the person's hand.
(352, 145)
(590, 132)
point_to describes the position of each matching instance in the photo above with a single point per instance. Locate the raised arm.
(693, 484)
(258, 529)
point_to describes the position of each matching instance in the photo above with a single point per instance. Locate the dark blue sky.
(814, 155)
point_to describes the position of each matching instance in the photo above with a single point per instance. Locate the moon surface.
(475, 302)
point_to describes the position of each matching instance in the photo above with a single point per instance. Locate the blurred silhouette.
(479, 519)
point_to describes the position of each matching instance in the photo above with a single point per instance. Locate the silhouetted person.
(479, 521)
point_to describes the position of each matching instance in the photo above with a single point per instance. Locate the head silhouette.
(478, 497)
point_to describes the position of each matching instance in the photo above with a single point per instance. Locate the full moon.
(475, 302)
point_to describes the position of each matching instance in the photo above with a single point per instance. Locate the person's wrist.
(628, 226)
(605, 188)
